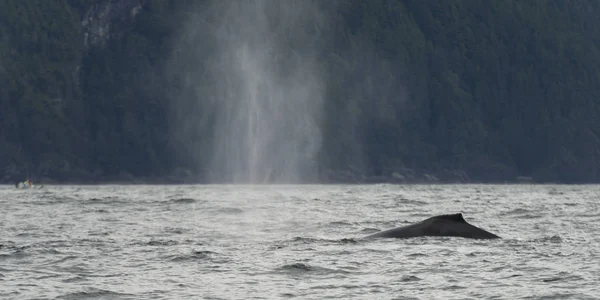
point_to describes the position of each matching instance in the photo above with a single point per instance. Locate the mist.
(252, 65)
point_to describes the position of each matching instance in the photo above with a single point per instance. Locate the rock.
(453, 176)
(430, 178)
(344, 176)
(377, 179)
(524, 179)
(108, 19)
(398, 177)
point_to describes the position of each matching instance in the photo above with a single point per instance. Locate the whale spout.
(443, 225)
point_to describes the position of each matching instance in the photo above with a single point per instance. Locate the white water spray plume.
(257, 73)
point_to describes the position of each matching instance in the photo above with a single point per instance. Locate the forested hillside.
(414, 90)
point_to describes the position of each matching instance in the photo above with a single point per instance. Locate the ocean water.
(296, 241)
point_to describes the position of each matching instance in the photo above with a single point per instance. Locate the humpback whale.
(443, 225)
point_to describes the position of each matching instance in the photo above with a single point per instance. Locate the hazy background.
(253, 67)
(299, 91)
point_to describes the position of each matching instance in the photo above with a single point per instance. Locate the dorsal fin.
(452, 217)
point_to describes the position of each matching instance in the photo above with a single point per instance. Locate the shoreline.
(402, 177)
(139, 182)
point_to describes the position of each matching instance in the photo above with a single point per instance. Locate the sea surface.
(296, 242)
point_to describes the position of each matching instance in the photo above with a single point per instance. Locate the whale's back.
(443, 225)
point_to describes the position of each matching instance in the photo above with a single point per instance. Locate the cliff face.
(44, 46)
(455, 90)
(108, 19)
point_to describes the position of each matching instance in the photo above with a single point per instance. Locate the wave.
(230, 210)
(296, 241)
(516, 211)
(340, 223)
(105, 200)
(522, 213)
(51, 199)
(404, 200)
(95, 294)
(176, 230)
(563, 276)
(307, 268)
(199, 256)
(410, 278)
(555, 239)
(161, 243)
(185, 200)
(15, 252)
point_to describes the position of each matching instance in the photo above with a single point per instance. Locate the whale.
(452, 225)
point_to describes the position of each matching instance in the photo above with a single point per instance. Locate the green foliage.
(39, 52)
(497, 89)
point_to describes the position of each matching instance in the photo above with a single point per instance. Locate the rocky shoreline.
(182, 176)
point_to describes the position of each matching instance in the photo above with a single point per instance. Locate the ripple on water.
(339, 223)
(15, 252)
(563, 277)
(414, 202)
(306, 241)
(523, 213)
(229, 210)
(516, 211)
(75, 279)
(93, 293)
(63, 259)
(108, 200)
(176, 230)
(186, 200)
(51, 199)
(410, 278)
(159, 243)
(555, 239)
(198, 256)
(288, 244)
(298, 267)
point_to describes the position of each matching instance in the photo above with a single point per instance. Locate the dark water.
(273, 242)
